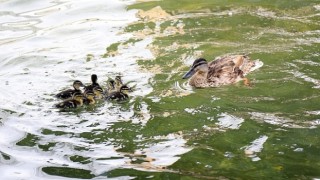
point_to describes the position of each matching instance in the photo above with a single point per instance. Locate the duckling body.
(89, 98)
(76, 101)
(67, 94)
(222, 71)
(118, 83)
(98, 92)
(110, 87)
(119, 95)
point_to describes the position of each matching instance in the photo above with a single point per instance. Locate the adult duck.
(224, 70)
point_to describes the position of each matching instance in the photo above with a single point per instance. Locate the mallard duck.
(224, 70)
(98, 92)
(89, 98)
(119, 95)
(76, 101)
(69, 93)
(94, 79)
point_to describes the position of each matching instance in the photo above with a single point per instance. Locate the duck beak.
(189, 74)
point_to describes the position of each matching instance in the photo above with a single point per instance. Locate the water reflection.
(45, 46)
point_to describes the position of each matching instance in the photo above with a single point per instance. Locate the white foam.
(305, 77)
(255, 147)
(229, 121)
(257, 64)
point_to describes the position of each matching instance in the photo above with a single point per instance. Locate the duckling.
(224, 70)
(119, 95)
(118, 83)
(89, 98)
(98, 92)
(110, 87)
(76, 101)
(94, 79)
(69, 93)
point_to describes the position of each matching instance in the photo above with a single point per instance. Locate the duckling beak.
(189, 73)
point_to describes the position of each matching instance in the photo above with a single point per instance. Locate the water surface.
(167, 129)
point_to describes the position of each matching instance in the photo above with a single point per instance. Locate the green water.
(285, 36)
(279, 114)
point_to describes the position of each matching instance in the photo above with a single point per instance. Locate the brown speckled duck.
(224, 70)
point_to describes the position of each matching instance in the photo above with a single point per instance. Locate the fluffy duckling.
(110, 87)
(98, 92)
(94, 79)
(119, 95)
(118, 83)
(70, 92)
(224, 70)
(89, 98)
(76, 101)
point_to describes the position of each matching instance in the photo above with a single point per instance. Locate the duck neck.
(77, 88)
(199, 79)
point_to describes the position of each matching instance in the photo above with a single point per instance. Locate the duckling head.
(118, 82)
(98, 91)
(77, 84)
(94, 78)
(125, 89)
(199, 65)
(111, 85)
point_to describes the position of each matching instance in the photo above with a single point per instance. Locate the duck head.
(118, 82)
(199, 66)
(77, 84)
(110, 86)
(118, 79)
(94, 78)
(125, 89)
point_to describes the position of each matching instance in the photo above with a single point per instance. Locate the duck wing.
(118, 96)
(66, 94)
(224, 70)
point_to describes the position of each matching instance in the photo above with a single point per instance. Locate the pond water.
(167, 130)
